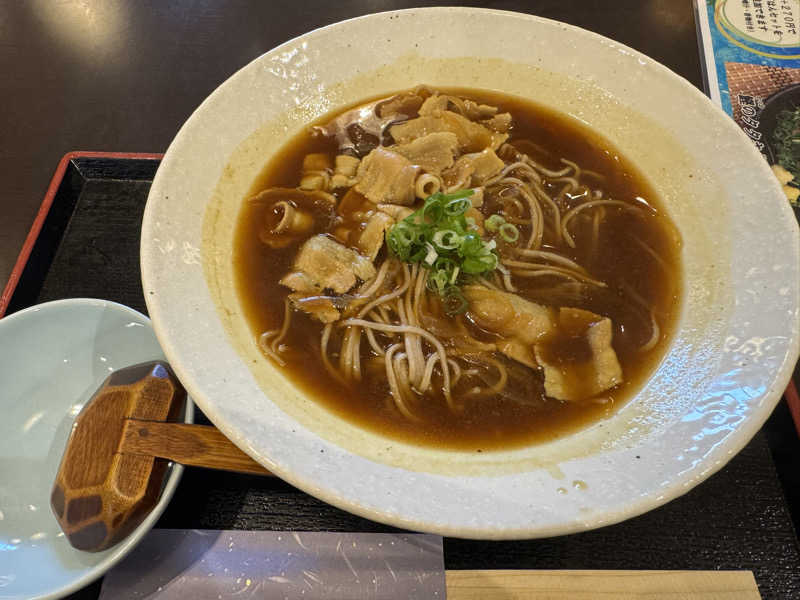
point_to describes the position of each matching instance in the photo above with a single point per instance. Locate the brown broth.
(488, 423)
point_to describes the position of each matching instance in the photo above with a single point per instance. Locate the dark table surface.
(123, 76)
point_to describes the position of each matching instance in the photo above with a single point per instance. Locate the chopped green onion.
(456, 195)
(403, 236)
(431, 211)
(509, 232)
(437, 281)
(431, 255)
(471, 244)
(443, 263)
(446, 239)
(419, 255)
(457, 206)
(473, 266)
(454, 276)
(494, 222)
(443, 240)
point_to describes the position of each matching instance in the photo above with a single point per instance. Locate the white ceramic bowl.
(53, 357)
(727, 365)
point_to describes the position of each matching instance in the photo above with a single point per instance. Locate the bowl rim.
(678, 486)
(123, 548)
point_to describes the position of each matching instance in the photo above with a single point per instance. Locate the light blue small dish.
(53, 357)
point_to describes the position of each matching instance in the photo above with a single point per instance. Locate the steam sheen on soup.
(458, 268)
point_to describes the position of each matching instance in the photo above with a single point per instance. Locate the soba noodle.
(392, 330)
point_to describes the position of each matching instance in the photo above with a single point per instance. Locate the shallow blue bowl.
(53, 357)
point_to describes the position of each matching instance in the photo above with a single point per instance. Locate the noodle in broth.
(458, 268)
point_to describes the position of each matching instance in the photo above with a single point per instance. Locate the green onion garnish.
(446, 239)
(494, 222)
(437, 281)
(457, 206)
(443, 240)
(509, 233)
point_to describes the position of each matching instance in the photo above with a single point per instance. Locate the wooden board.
(599, 585)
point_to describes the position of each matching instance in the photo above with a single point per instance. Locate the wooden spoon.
(117, 455)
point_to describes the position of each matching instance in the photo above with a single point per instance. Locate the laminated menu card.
(751, 62)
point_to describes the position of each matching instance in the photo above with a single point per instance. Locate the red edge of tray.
(791, 395)
(44, 209)
(793, 400)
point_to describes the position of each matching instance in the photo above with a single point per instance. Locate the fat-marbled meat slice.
(433, 152)
(403, 104)
(320, 308)
(500, 123)
(472, 137)
(579, 361)
(323, 263)
(572, 346)
(397, 212)
(474, 169)
(434, 105)
(520, 323)
(468, 108)
(386, 176)
(371, 239)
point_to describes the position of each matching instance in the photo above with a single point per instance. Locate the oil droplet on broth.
(579, 485)
(562, 491)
